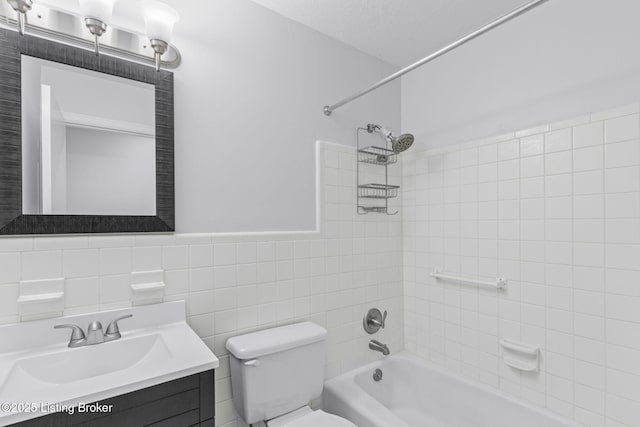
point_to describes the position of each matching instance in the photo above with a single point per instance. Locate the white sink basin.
(71, 365)
(156, 346)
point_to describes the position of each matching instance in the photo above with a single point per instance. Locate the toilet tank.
(276, 370)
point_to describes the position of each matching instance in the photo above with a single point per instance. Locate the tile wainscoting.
(236, 283)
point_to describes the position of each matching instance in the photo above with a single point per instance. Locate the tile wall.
(236, 283)
(556, 210)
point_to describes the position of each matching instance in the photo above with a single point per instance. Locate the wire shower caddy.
(379, 156)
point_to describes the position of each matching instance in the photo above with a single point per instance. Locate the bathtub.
(413, 393)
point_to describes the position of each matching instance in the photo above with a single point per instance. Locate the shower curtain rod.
(328, 109)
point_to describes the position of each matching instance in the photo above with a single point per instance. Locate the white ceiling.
(399, 32)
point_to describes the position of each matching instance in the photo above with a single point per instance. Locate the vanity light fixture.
(147, 42)
(97, 14)
(21, 7)
(159, 19)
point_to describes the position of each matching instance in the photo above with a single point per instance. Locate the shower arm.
(371, 128)
(328, 109)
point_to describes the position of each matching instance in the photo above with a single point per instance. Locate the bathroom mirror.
(86, 142)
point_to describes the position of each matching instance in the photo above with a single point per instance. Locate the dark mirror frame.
(12, 220)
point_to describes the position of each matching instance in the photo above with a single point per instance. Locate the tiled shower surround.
(235, 283)
(556, 210)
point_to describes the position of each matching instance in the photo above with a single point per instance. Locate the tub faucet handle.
(380, 323)
(374, 320)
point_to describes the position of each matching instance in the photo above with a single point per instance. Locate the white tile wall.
(557, 213)
(237, 283)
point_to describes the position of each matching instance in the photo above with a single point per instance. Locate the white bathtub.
(412, 393)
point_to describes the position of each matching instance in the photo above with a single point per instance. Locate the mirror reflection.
(88, 142)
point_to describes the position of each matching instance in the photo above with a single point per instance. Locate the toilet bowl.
(275, 373)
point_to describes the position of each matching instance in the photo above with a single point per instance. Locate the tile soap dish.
(40, 299)
(147, 287)
(521, 356)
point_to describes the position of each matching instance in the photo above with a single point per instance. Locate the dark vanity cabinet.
(185, 402)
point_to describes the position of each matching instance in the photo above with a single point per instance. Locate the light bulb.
(101, 10)
(159, 19)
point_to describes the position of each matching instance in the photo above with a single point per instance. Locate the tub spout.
(378, 346)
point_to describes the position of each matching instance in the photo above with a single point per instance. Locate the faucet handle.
(379, 323)
(77, 334)
(113, 331)
(374, 320)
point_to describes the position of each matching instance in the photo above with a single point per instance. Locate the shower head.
(398, 143)
(401, 143)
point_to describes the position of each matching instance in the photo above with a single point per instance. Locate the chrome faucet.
(95, 335)
(378, 346)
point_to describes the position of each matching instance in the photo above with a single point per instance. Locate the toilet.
(275, 373)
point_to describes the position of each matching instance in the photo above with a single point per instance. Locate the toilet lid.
(318, 419)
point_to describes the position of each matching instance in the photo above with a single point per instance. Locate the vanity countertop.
(39, 372)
